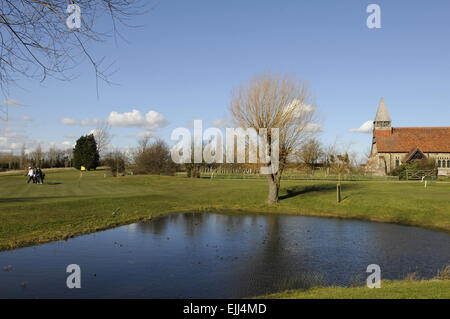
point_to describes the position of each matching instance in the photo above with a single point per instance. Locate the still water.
(221, 256)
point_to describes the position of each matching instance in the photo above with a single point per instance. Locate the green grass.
(405, 289)
(321, 176)
(68, 206)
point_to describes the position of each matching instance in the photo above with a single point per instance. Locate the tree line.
(53, 157)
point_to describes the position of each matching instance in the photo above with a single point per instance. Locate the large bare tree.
(102, 136)
(36, 41)
(275, 101)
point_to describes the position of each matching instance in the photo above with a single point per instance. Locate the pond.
(194, 255)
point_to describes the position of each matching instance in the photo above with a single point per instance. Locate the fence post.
(338, 190)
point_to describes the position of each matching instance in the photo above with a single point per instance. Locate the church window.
(397, 163)
(448, 163)
(443, 163)
(439, 163)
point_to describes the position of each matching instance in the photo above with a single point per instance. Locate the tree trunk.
(274, 187)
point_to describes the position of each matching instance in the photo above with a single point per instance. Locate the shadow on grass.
(40, 198)
(326, 188)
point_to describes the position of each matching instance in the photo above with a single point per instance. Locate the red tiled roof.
(404, 139)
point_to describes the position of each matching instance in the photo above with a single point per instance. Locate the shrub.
(193, 169)
(425, 164)
(154, 159)
(116, 162)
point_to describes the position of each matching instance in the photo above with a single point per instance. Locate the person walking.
(42, 175)
(39, 176)
(30, 175)
(34, 175)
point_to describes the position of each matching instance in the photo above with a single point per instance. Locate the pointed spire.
(382, 113)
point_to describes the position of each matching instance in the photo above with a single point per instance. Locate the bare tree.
(37, 156)
(68, 157)
(52, 155)
(36, 42)
(143, 142)
(338, 160)
(310, 152)
(117, 161)
(275, 101)
(102, 136)
(23, 157)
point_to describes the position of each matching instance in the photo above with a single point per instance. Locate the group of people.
(36, 175)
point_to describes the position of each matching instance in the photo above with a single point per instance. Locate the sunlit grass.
(405, 289)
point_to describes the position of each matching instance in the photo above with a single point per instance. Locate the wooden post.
(338, 190)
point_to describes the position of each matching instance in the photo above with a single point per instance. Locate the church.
(392, 146)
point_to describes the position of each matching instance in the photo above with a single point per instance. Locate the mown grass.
(67, 206)
(404, 289)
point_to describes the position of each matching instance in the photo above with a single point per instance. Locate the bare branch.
(35, 41)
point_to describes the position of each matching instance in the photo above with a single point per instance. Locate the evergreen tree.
(85, 153)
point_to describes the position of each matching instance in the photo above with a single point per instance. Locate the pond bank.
(404, 289)
(66, 207)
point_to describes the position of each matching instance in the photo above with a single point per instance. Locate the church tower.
(382, 119)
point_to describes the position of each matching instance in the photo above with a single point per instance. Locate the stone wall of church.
(389, 161)
(442, 162)
(382, 164)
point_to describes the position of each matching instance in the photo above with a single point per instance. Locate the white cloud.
(85, 122)
(151, 121)
(367, 127)
(89, 122)
(313, 127)
(127, 119)
(3, 141)
(298, 108)
(145, 134)
(16, 135)
(69, 121)
(26, 118)
(11, 102)
(12, 139)
(220, 123)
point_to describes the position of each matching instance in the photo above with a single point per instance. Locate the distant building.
(392, 146)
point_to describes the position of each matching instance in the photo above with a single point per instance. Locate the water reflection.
(221, 256)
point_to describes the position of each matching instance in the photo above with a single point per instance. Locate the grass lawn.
(427, 289)
(67, 206)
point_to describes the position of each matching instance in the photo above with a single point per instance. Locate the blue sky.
(188, 55)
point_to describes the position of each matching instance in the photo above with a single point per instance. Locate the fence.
(419, 174)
